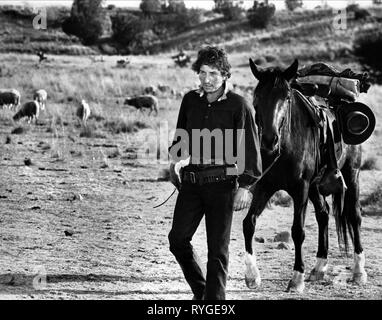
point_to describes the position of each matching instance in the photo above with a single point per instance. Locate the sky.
(206, 4)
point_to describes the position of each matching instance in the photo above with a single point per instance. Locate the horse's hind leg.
(260, 199)
(300, 202)
(352, 210)
(321, 209)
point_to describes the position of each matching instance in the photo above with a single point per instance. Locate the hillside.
(307, 35)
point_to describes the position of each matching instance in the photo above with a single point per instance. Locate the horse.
(291, 158)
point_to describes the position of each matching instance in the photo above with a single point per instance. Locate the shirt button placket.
(208, 111)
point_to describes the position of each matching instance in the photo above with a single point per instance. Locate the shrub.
(354, 11)
(282, 199)
(86, 21)
(368, 48)
(292, 5)
(370, 164)
(150, 7)
(374, 198)
(260, 15)
(232, 12)
(132, 32)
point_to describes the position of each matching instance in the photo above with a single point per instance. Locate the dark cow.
(144, 102)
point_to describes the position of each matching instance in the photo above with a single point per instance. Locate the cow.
(83, 112)
(40, 96)
(30, 109)
(143, 102)
(9, 98)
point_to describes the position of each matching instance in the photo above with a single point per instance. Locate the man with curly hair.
(211, 183)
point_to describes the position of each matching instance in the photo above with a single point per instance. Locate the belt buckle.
(192, 177)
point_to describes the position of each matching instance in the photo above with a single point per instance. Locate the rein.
(166, 199)
(288, 120)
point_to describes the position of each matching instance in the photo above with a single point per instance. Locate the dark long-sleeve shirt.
(230, 111)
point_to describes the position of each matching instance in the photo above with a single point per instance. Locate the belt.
(211, 175)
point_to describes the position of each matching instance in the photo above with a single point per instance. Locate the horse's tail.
(343, 225)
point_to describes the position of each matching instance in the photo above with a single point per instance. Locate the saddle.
(324, 118)
(330, 144)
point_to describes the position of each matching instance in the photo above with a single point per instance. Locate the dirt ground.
(79, 223)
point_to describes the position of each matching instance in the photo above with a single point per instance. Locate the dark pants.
(215, 201)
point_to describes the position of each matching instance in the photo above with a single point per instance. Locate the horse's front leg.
(261, 196)
(321, 209)
(300, 200)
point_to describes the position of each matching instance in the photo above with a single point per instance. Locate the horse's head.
(271, 100)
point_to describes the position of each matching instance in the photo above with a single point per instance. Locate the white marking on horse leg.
(252, 273)
(319, 270)
(359, 273)
(297, 282)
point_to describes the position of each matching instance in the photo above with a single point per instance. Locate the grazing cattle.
(9, 98)
(29, 109)
(40, 96)
(144, 102)
(83, 112)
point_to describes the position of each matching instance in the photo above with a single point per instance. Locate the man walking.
(217, 178)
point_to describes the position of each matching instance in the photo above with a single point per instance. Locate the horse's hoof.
(316, 275)
(360, 278)
(252, 283)
(295, 287)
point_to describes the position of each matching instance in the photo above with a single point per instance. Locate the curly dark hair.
(213, 57)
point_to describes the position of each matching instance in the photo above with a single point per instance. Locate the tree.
(292, 5)
(231, 9)
(377, 2)
(176, 6)
(150, 7)
(368, 48)
(86, 21)
(261, 14)
(132, 32)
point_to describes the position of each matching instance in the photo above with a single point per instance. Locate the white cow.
(83, 111)
(9, 98)
(40, 96)
(29, 109)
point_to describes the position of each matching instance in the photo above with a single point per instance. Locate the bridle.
(284, 121)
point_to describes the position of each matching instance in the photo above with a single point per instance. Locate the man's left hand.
(242, 199)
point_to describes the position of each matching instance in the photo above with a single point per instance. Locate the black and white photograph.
(191, 150)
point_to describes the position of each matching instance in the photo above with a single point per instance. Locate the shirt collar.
(227, 87)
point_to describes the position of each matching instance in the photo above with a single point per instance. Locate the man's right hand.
(175, 175)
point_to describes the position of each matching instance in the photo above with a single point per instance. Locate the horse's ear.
(290, 72)
(256, 72)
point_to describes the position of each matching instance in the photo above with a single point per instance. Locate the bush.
(132, 32)
(368, 48)
(232, 13)
(354, 11)
(292, 5)
(370, 164)
(86, 21)
(260, 15)
(374, 198)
